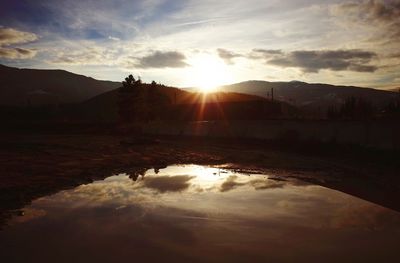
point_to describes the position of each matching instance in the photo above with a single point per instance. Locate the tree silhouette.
(141, 102)
(392, 109)
(128, 99)
(128, 83)
(352, 108)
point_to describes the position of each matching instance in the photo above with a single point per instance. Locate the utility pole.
(272, 94)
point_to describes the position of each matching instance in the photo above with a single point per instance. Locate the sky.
(193, 43)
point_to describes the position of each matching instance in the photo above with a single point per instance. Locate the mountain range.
(302, 94)
(23, 87)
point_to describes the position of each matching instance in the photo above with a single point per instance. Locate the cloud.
(17, 53)
(10, 36)
(258, 184)
(258, 53)
(316, 60)
(227, 55)
(230, 183)
(160, 59)
(91, 53)
(373, 14)
(114, 38)
(373, 10)
(168, 183)
(268, 51)
(94, 55)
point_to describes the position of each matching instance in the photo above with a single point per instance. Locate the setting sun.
(208, 72)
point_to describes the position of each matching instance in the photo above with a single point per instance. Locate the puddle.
(201, 214)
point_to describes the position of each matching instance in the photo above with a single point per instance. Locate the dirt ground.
(37, 165)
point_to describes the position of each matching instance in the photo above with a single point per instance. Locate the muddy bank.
(36, 165)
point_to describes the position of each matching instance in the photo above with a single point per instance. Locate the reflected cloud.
(258, 184)
(230, 184)
(180, 215)
(168, 183)
(267, 184)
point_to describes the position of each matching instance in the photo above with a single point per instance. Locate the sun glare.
(207, 72)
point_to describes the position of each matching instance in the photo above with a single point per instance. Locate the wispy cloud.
(383, 16)
(114, 38)
(17, 53)
(232, 182)
(228, 56)
(94, 55)
(10, 37)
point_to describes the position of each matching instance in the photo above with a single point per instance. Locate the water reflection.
(201, 214)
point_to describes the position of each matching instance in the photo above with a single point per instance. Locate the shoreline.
(36, 165)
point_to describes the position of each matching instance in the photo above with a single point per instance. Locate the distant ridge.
(21, 87)
(310, 94)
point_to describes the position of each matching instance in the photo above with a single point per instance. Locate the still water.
(201, 214)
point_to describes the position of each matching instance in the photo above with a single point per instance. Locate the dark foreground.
(192, 213)
(34, 166)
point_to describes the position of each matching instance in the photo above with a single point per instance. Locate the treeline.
(359, 108)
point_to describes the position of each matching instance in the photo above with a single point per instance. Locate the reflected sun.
(207, 72)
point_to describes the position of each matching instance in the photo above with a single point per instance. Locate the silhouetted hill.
(309, 94)
(22, 87)
(395, 89)
(104, 107)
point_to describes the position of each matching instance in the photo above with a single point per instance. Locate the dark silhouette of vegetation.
(141, 102)
(361, 109)
(129, 84)
(129, 99)
(392, 110)
(352, 108)
(159, 104)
